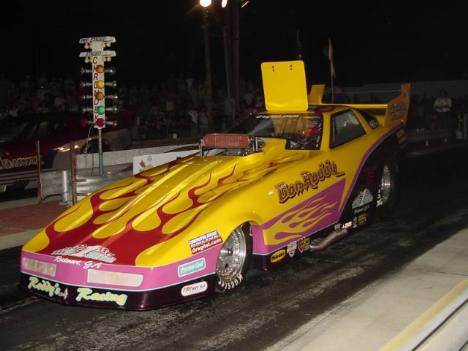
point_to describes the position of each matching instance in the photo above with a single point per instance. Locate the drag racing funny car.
(290, 180)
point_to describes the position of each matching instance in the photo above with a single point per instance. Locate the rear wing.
(398, 107)
(395, 110)
(284, 86)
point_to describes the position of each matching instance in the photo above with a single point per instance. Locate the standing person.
(443, 109)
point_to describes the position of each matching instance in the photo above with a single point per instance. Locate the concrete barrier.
(117, 165)
(141, 163)
(112, 158)
(442, 327)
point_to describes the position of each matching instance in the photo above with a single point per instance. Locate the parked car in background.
(55, 132)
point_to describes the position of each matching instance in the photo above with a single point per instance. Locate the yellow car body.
(158, 237)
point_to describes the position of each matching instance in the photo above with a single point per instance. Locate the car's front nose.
(88, 282)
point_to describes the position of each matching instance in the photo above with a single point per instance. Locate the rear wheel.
(234, 258)
(388, 185)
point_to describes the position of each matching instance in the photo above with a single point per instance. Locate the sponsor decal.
(347, 225)
(303, 244)
(95, 252)
(278, 256)
(89, 295)
(36, 266)
(291, 249)
(204, 242)
(17, 162)
(361, 209)
(310, 180)
(362, 219)
(379, 199)
(83, 264)
(191, 267)
(363, 198)
(51, 289)
(194, 289)
(397, 109)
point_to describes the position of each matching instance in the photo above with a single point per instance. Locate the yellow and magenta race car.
(290, 180)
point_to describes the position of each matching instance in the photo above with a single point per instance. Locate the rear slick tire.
(388, 187)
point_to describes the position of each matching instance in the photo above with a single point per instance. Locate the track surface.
(270, 305)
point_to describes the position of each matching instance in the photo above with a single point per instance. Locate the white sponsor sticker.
(363, 198)
(292, 248)
(195, 288)
(204, 242)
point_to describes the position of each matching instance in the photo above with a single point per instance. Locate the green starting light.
(100, 110)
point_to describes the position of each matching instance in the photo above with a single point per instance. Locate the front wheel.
(234, 258)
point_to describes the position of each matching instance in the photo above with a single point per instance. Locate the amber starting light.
(99, 84)
(99, 95)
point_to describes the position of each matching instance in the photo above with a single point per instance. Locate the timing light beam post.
(97, 56)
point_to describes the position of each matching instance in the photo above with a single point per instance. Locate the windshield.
(302, 132)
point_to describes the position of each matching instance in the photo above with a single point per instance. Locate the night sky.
(378, 41)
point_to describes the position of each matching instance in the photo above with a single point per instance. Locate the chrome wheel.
(232, 259)
(386, 185)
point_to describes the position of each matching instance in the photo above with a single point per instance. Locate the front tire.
(234, 258)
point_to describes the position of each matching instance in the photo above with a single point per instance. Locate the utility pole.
(208, 81)
(235, 56)
(227, 38)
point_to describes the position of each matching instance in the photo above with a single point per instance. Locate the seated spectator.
(443, 108)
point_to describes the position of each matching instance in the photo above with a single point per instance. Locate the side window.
(345, 127)
(371, 120)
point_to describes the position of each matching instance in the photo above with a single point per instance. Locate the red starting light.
(100, 122)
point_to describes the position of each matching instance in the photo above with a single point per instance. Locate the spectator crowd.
(177, 107)
(426, 112)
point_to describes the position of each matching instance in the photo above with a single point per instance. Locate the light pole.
(208, 83)
(231, 52)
